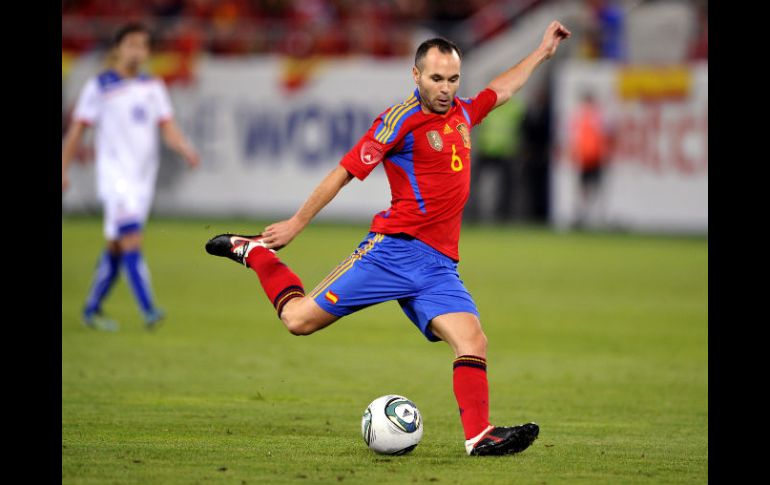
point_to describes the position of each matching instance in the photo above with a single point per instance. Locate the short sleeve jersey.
(427, 158)
(125, 113)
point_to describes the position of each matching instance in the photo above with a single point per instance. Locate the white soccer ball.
(392, 425)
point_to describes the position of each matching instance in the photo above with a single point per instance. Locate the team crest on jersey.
(465, 134)
(435, 140)
(371, 153)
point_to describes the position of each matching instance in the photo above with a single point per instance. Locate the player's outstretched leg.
(279, 282)
(107, 270)
(462, 331)
(300, 314)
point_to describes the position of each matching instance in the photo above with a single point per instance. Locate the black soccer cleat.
(234, 246)
(497, 440)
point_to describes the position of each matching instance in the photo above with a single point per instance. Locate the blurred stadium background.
(273, 92)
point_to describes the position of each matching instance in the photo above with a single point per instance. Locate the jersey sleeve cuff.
(353, 168)
(488, 92)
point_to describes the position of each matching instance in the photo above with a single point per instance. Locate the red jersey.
(427, 158)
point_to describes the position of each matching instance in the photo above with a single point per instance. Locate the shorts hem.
(432, 337)
(331, 309)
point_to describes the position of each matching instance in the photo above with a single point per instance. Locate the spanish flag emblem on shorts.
(332, 297)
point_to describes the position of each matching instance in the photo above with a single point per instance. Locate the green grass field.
(601, 339)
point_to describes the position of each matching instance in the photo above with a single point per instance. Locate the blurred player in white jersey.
(126, 107)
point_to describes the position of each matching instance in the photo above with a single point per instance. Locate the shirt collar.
(113, 74)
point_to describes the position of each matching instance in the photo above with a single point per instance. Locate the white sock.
(469, 443)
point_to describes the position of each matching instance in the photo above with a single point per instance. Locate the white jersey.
(126, 113)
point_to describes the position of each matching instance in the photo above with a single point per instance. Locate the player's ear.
(416, 74)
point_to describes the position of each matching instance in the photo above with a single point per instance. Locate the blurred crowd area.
(291, 27)
(380, 28)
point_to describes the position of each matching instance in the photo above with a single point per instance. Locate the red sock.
(472, 393)
(279, 282)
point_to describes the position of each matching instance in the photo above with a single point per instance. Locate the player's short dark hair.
(127, 29)
(443, 45)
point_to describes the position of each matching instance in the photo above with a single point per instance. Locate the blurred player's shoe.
(234, 246)
(97, 321)
(497, 440)
(152, 319)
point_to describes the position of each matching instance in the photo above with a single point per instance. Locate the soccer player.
(126, 106)
(590, 137)
(411, 253)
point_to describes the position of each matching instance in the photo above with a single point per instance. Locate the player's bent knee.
(299, 327)
(297, 322)
(303, 316)
(481, 342)
(473, 344)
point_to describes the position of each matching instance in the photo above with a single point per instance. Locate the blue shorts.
(396, 267)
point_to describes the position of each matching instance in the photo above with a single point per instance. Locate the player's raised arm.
(68, 149)
(507, 83)
(281, 233)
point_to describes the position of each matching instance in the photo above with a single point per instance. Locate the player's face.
(438, 80)
(134, 49)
